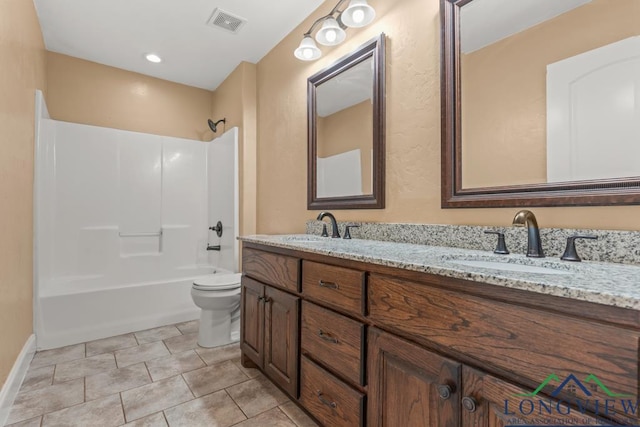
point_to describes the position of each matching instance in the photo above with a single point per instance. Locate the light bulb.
(307, 53)
(358, 16)
(331, 36)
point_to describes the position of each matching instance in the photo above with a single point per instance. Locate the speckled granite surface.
(603, 283)
(611, 246)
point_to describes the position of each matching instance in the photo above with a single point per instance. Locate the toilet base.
(216, 329)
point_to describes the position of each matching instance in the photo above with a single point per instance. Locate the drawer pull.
(322, 334)
(469, 403)
(444, 391)
(330, 285)
(325, 401)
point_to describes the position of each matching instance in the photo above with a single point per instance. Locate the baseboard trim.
(16, 376)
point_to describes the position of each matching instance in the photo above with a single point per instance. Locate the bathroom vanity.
(389, 334)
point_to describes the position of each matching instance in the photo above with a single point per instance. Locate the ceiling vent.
(226, 21)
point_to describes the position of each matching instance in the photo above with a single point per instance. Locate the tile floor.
(158, 377)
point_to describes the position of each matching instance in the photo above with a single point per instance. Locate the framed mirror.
(540, 103)
(346, 131)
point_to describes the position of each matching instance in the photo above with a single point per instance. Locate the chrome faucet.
(534, 244)
(334, 225)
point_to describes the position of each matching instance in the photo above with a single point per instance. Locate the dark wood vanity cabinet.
(409, 385)
(252, 321)
(270, 324)
(378, 346)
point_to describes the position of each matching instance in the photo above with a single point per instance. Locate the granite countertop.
(611, 284)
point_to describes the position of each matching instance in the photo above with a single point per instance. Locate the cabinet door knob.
(469, 403)
(325, 401)
(267, 299)
(260, 299)
(444, 390)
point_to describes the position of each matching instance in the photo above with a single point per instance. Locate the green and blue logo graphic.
(588, 396)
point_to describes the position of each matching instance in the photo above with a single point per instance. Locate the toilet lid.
(218, 282)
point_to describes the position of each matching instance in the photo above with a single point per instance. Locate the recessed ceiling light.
(152, 57)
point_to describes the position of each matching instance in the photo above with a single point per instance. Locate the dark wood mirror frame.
(375, 49)
(619, 191)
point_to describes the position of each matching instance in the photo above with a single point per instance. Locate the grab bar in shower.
(147, 234)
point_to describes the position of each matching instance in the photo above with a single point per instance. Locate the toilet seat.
(218, 282)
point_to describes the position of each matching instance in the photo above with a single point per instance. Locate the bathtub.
(84, 308)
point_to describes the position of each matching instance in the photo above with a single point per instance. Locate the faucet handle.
(501, 247)
(570, 253)
(324, 231)
(347, 230)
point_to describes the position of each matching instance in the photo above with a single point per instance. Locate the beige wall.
(346, 130)
(504, 90)
(86, 92)
(22, 68)
(235, 100)
(413, 131)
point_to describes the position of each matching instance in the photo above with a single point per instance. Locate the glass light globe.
(330, 34)
(358, 14)
(307, 51)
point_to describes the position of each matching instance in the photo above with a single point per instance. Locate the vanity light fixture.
(308, 50)
(357, 14)
(330, 34)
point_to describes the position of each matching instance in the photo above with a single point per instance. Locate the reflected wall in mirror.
(346, 132)
(541, 102)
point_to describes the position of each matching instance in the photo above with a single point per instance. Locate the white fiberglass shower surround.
(122, 227)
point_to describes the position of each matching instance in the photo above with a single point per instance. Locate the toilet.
(218, 296)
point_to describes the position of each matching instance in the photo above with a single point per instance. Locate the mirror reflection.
(344, 126)
(550, 91)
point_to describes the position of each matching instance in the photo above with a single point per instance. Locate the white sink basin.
(508, 266)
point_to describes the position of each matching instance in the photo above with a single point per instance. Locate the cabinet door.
(281, 339)
(489, 401)
(410, 386)
(252, 322)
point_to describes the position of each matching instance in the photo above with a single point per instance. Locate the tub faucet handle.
(501, 247)
(570, 253)
(217, 228)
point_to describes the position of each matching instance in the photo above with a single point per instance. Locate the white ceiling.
(484, 22)
(120, 32)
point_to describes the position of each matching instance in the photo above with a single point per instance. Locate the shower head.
(214, 125)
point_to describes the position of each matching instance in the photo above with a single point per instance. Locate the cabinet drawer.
(328, 399)
(273, 269)
(333, 340)
(336, 286)
(531, 342)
